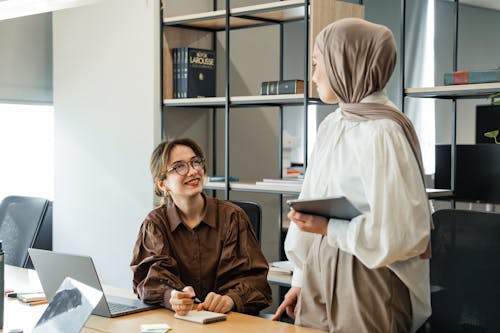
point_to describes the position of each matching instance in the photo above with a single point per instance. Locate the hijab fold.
(359, 58)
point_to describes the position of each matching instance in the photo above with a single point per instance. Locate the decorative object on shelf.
(282, 87)
(194, 72)
(477, 76)
(492, 135)
(487, 123)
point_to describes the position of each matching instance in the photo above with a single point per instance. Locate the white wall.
(106, 97)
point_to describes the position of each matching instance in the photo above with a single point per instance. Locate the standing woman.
(201, 245)
(370, 274)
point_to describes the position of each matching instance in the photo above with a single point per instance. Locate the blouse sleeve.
(397, 227)
(151, 263)
(242, 271)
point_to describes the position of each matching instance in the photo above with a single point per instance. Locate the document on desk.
(202, 317)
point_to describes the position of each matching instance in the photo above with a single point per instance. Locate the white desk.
(18, 315)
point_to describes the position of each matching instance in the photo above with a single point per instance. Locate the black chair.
(465, 272)
(254, 213)
(24, 222)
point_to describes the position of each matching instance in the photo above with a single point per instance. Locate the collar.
(209, 215)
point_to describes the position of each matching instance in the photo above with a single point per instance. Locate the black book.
(196, 68)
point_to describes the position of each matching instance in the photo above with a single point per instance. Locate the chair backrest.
(21, 220)
(254, 213)
(43, 240)
(465, 271)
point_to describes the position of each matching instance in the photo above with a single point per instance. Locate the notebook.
(202, 317)
(330, 207)
(69, 309)
(52, 267)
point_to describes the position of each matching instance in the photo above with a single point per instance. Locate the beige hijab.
(359, 59)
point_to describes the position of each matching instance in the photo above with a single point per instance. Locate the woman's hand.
(182, 301)
(289, 304)
(309, 223)
(217, 303)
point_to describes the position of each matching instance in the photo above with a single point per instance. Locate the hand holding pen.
(182, 300)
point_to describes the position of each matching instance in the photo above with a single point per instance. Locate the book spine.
(185, 65)
(282, 87)
(291, 87)
(466, 77)
(175, 72)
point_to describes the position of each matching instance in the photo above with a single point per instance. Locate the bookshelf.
(452, 93)
(213, 27)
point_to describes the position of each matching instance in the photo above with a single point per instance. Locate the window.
(27, 150)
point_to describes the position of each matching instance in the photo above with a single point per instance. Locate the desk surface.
(18, 315)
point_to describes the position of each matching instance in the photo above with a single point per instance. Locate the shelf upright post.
(454, 109)
(162, 108)
(402, 48)
(214, 110)
(280, 152)
(226, 104)
(306, 76)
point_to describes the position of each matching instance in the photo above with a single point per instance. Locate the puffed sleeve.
(397, 226)
(242, 270)
(151, 262)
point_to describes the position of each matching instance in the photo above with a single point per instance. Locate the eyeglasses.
(182, 168)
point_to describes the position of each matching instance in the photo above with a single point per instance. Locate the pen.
(165, 282)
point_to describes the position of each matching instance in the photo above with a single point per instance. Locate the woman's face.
(320, 78)
(178, 185)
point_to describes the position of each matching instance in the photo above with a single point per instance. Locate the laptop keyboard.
(118, 308)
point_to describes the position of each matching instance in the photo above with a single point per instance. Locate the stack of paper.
(154, 328)
(281, 267)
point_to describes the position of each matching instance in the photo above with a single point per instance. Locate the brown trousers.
(341, 295)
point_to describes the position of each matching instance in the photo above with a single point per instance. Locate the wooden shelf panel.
(281, 11)
(268, 100)
(241, 17)
(479, 90)
(432, 193)
(195, 102)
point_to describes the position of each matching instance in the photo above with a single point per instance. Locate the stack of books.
(295, 181)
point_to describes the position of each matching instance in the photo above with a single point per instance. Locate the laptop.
(69, 309)
(53, 267)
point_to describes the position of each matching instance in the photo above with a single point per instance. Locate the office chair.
(254, 213)
(465, 272)
(24, 223)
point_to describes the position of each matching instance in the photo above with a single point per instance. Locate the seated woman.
(201, 245)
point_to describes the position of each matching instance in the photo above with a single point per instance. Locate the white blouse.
(372, 164)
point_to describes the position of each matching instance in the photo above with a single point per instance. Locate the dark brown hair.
(159, 160)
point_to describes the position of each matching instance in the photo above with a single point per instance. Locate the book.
(281, 267)
(32, 297)
(282, 87)
(202, 317)
(338, 207)
(478, 76)
(195, 70)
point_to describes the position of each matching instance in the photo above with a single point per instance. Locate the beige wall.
(106, 98)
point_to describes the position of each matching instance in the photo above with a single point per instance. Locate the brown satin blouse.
(221, 255)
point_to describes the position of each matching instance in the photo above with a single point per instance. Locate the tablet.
(330, 207)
